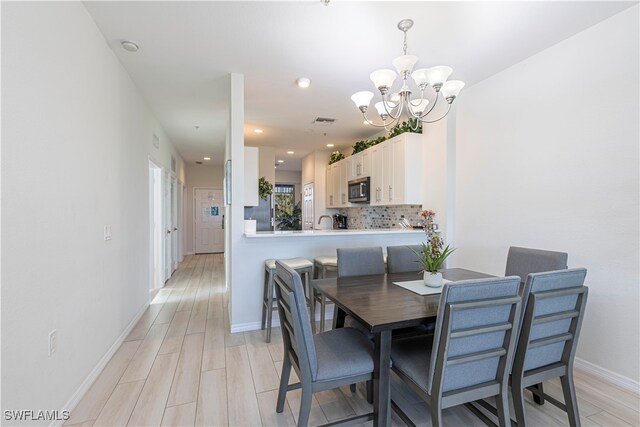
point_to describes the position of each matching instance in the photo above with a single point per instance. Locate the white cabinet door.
(377, 176)
(387, 174)
(353, 166)
(365, 163)
(341, 179)
(330, 186)
(251, 166)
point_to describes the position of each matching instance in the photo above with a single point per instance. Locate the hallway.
(180, 366)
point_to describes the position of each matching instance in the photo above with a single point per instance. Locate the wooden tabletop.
(380, 305)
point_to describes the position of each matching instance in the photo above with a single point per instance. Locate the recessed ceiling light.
(329, 145)
(207, 158)
(289, 152)
(303, 82)
(258, 130)
(280, 161)
(130, 46)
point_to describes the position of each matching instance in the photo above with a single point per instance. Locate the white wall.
(76, 138)
(198, 176)
(547, 157)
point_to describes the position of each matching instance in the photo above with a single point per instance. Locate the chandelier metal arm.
(437, 120)
(435, 101)
(371, 123)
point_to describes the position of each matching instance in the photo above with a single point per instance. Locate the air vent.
(323, 121)
(198, 163)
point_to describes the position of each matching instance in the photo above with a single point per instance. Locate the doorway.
(155, 228)
(208, 220)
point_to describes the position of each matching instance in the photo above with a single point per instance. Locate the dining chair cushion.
(351, 322)
(360, 261)
(293, 263)
(403, 259)
(411, 356)
(330, 261)
(522, 261)
(342, 353)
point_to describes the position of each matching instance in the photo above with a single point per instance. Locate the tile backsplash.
(367, 217)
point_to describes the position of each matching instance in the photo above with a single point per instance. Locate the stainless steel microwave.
(359, 190)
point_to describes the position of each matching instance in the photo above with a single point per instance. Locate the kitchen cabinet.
(337, 174)
(359, 165)
(396, 171)
(251, 168)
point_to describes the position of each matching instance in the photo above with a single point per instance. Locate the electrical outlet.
(53, 341)
(107, 232)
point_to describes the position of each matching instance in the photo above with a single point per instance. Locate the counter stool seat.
(303, 267)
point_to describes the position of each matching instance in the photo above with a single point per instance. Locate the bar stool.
(323, 264)
(303, 267)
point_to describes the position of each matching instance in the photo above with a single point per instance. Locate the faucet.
(326, 216)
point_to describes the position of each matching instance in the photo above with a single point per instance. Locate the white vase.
(433, 280)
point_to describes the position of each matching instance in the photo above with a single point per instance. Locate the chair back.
(360, 261)
(523, 261)
(474, 337)
(403, 259)
(555, 303)
(294, 321)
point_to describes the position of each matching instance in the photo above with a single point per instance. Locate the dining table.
(382, 307)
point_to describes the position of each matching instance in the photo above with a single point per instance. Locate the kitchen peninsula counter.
(332, 233)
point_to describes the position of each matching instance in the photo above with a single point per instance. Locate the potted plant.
(336, 156)
(432, 255)
(265, 188)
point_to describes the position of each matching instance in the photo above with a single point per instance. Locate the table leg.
(381, 379)
(338, 317)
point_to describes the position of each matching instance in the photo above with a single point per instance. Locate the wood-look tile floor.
(180, 366)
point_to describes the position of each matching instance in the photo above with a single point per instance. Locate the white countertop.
(327, 233)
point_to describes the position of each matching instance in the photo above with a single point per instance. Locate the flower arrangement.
(433, 255)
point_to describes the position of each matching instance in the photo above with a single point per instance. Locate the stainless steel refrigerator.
(263, 214)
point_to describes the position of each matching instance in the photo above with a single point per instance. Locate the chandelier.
(393, 105)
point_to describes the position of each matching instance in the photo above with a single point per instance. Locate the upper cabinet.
(251, 169)
(337, 178)
(359, 165)
(396, 171)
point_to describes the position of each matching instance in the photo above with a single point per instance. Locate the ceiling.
(187, 49)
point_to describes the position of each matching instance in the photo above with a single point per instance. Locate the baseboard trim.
(275, 323)
(93, 375)
(608, 376)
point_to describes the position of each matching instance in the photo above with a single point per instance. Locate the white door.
(168, 226)
(208, 209)
(307, 207)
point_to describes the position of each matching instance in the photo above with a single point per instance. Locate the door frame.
(156, 252)
(193, 197)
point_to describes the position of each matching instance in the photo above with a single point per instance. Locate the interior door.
(208, 210)
(168, 226)
(307, 207)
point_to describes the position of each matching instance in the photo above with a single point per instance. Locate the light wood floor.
(180, 366)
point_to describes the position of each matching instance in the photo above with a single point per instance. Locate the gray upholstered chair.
(471, 352)
(554, 304)
(402, 259)
(360, 261)
(523, 261)
(324, 361)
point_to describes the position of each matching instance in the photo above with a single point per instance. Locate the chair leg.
(569, 392)
(352, 388)
(284, 382)
(269, 304)
(502, 405)
(323, 311)
(369, 386)
(518, 402)
(264, 300)
(436, 412)
(305, 406)
(538, 397)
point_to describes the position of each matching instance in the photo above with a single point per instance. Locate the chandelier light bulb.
(362, 99)
(451, 89)
(383, 79)
(420, 77)
(381, 109)
(438, 75)
(404, 64)
(419, 107)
